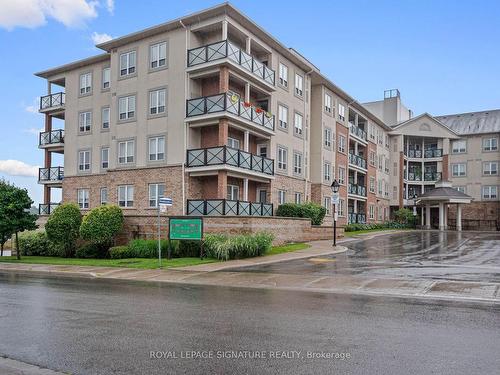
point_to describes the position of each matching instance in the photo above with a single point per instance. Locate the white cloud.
(34, 13)
(100, 38)
(33, 107)
(33, 131)
(18, 168)
(110, 6)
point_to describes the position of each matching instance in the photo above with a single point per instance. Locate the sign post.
(187, 228)
(163, 204)
(335, 202)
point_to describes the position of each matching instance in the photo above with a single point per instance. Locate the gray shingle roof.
(445, 192)
(473, 122)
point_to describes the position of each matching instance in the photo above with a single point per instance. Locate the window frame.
(85, 165)
(87, 122)
(282, 151)
(103, 110)
(297, 169)
(230, 192)
(490, 147)
(298, 131)
(156, 95)
(83, 198)
(459, 150)
(298, 85)
(87, 90)
(129, 115)
(458, 168)
(283, 81)
(105, 191)
(158, 60)
(128, 66)
(283, 108)
(490, 163)
(327, 138)
(327, 171)
(156, 140)
(103, 78)
(490, 190)
(126, 155)
(103, 149)
(157, 195)
(126, 201)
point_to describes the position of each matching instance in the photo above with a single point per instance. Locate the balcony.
(232, 106)
(46, 209)
(355, 218)
(432, 176)
(52, 139)
(225, 207)
(52, 102)
(434, 153)
(357, 190)
(412, 176)
(227, 51)
(357, 132)
(53, 175)
(357, 161)
(223, 155)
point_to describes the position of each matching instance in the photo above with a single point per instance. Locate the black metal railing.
(356, 218)
(230, 103)
(433, 153)
(432, 176)
(414, 154)
(226, 207)
(357, 131)
(357, 189)
(220, 155)
(47, 209)
(52, 137)
(51, 174)
(413, 176)
(357, 161)
(225, 49)
(52, 100)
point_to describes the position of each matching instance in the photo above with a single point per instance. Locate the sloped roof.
(473, 122)
(430, 117)
(442, 192)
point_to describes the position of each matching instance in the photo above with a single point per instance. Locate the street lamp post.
(415, 209)
(335, 190)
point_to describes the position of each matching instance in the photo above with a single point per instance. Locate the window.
(127, 63)
(298, 198)
(490, 192)
(84, 161)
(298, 124)
(282, 158)
(327, 171)
(233, 142)
(371, 212)
(297, 163)
(328, 103)
(126, 196)
(342, 175)
(105, 158)
(126, 152)
(104, 196)
(341, 112)
(341, 143)
(157, 102)
(156, 148)
(341, 208)
(490, 168)
(126, 107)
(372, 185)
(461, 189)
(105, 118)
(386, 141)
(328, 137)
(327, 203)
(459, 146)
(155, 191)
(372, 132)
(158, 55)
(262, 150)
(106, 78)
(83, 198)
(85, 83)
(458, 170)
(380, 162)
(283, 116)
(299, 83)
(372, 158)
(281, 196)
(283, 73)
(490, 144)
(380, 187)
(233, 192)
(386, 165)
(85, 121)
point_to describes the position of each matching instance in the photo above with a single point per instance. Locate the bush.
(37, 244)
(149, 248)
(63, 227)
(310, 210)
(405, 216)
(90, 250)
(224, 247)
(101, 225)
(119, 252)
(187, 249)
(385, 225)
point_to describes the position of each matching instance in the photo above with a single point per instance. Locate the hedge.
(37, 243)
(120, 252)
(310, 210)
(372, 226)
(225, 247)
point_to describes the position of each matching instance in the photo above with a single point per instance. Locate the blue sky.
(443, 56)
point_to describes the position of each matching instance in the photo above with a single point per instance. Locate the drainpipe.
(186, 128)
(304, 140)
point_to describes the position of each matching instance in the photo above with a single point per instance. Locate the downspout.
(186, 128)
(307, 135)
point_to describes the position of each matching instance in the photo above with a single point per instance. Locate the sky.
(443, 56)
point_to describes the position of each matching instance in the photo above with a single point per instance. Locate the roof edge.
(72, 65)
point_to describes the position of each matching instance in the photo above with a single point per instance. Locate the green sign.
(186, 228)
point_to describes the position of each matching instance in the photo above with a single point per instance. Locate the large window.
(105, 158)
(127, 63)
(341, 175)
(282, 158)
(298, 123)
(371, 211)
(490, 144)
(490, 192)
(126, 107)
(104, 195)
(298, 198)
(233, 192)
(283, 116)
(233, 143)
(85, 121)
(157, 102)
(85, 83)
(341, 112)
(328, 103)
(83, 198)
(372, 185)
(490, 168)
(341, 143)
(341, 207)
(84, 161)
(328, 137)
(459, 146)
(327, 203)
(299, 85)
(327, 171)
(458, 170)
(106, 78)
(281, 196)
(156, 148)
(155, 191)
(283, 74)
(297, 163)
(105, 118)
(126, 151)
(126, 196)
(158, 55)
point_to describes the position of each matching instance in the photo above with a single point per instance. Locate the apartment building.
(214, 112)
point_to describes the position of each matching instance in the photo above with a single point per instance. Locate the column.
(224, 29)
(223, 132)
(224, 79)
(445, 214)
(441, 216)
(248, 43)
(459, 217)
(222, 185)
(247, 92)
(428, 216)
(245, 189)
(246, 141)
(422, 216)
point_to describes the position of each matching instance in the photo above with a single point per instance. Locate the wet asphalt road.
(453, 256)
(91, 326)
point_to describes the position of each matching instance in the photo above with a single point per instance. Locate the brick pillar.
(401, 177)
(445, 174)
(224, 79)
(48, 122)
(223, 131)
(222, 185)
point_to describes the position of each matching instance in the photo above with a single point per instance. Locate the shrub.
(405, 216)
(385, 225)
(101, 225)
(37, 244)
(149, 248)
(224, 247)
(119, 252)
(63, 227)
(187, 249)
(310, 210)
(89, 250)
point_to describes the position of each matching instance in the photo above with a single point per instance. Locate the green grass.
(287, 248)
(350, 234)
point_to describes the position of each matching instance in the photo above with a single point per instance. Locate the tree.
(63, 227)
(101, 225)
(15, 215)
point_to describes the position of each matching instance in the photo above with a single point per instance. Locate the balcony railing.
(356, 218)
(47, 209)
(357, 131)
(226, 207)
(202, 157)
(51, 174)
(52, 137)
(434, 153)
(432, 176)
(414, 154)
(357, 161)
(412, 176)
(52, 101)
(357, 189)
(224, 49)
(231, 104)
